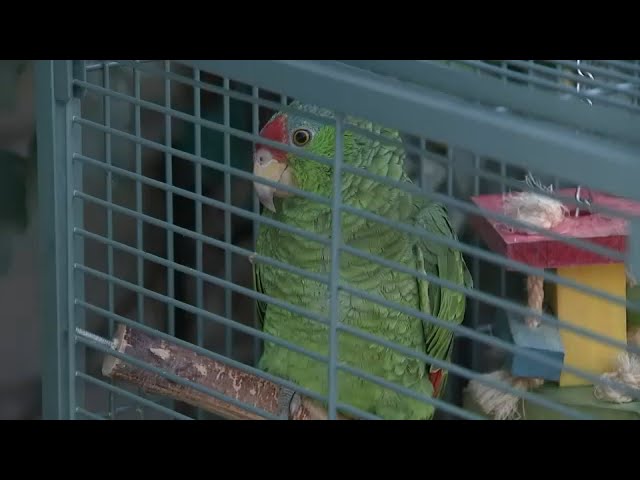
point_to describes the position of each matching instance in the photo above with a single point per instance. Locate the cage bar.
(509, 116)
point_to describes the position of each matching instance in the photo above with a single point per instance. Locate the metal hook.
(585, 201)
(578, 198)
(578, 86)
(533, 182)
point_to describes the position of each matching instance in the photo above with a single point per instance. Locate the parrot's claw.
(252, 258)
(286, 403)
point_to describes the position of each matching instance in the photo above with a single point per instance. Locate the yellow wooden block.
(596, 314)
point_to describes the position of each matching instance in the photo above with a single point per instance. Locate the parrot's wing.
(261, 307)
(448, 305)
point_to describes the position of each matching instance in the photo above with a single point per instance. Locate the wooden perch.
(237, 384)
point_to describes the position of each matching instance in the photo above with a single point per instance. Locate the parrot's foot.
(288, 403)
(252, 258)
(292, 405)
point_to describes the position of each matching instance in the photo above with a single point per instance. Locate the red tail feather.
(435, 378)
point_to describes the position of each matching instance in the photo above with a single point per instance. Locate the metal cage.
(149, 222)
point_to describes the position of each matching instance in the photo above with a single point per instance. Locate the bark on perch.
(237, 384)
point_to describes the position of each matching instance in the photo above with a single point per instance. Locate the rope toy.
(496, 403)
(627, 372)
(540, 211)
(544, 212)
(547, 213)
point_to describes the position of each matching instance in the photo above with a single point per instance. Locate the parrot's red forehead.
(275, 130)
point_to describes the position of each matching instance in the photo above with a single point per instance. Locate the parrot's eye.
(301, 137)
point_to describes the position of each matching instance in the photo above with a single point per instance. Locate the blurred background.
(19, 341)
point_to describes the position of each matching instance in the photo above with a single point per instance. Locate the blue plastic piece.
(544, 339)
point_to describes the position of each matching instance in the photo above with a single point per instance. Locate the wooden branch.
(237, 384)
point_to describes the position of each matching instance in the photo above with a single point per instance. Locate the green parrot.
(372, 237)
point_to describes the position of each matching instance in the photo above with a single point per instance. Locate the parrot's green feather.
(377, 239)
(261, 307)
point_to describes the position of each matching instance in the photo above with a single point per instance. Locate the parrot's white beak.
(267, 167)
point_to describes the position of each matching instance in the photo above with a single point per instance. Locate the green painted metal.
(454, 105)
(568, 110)
(424, 111)
(54, 110)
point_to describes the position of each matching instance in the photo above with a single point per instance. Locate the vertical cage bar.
(106, 83)
(476, 260)
(450, 167)
(228, 274)
(169, 201)
(334, 275)
(475, 303)
(52, 102)
(503, 273)
(198, 219)
(75, 211)
(421, 159)
(139, 206)
(255, 127)
(636, 97)
(560, 79)
(197, 141)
